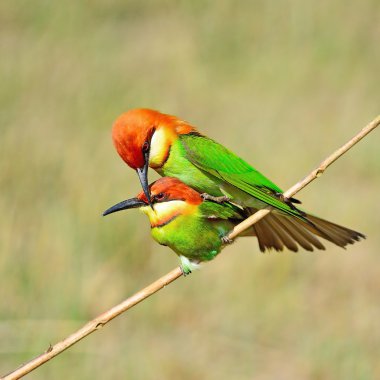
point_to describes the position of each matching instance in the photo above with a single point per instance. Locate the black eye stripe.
(160, 197)
(146, 144)
(165, 198)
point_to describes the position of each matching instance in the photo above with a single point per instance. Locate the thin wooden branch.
(94, 325)
(106, 317)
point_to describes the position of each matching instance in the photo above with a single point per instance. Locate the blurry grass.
(283, 84)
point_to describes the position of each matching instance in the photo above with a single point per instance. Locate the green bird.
(181, 219)
(146, 138)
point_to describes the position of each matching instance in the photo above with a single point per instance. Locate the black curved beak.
(129, 203)
(143, 176)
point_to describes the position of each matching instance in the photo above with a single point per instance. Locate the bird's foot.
(185, 271)
(187, 266)
(226, 240)
(288, 201)
(221, 199)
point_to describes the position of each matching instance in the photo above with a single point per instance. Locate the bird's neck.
(163, 138)
(166, 212)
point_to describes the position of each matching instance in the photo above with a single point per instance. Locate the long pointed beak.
(143, 176)
(129, 203)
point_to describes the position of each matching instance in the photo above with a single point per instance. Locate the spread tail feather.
(278, 231)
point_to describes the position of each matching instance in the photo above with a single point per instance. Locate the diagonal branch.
(141, 295)
(94, 325)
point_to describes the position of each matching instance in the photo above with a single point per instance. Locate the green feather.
(216, 160)
(195, 236)
(212, 210)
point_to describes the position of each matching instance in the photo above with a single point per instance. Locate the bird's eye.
(145, 146)
(160, 196)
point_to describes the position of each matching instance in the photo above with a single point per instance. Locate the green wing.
(217, 160)
(213, 210)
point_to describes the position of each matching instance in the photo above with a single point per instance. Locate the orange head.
(143, 137)
(168, 189)
(169, 198)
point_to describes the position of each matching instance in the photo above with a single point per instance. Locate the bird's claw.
(185, 271)
(187, 266)
(226, 240)
(221, 199)
(289, 201)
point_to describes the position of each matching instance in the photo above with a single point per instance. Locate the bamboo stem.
(157, 285)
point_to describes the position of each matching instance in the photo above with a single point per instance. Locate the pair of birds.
(206, 190)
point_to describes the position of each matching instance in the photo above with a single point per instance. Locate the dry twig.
(141, 295)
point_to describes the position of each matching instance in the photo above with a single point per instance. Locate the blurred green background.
(283, 83)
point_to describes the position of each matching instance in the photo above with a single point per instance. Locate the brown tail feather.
(267, 236)
(338, 235)
(285, 237)
(302, 236)
(276, 231)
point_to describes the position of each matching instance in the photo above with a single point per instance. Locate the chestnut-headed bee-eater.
(182, 220)
(146, 138)
(197, 228)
